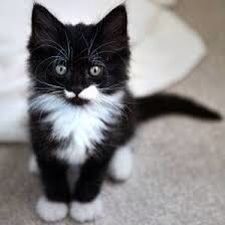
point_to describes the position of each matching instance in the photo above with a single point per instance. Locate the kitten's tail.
(164, 104)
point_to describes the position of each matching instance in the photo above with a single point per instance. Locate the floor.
(179, 175)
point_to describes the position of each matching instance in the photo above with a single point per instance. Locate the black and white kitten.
(80, 110)
(82, 116)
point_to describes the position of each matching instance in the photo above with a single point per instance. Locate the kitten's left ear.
(114, 27)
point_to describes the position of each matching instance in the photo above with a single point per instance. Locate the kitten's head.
(78, 63)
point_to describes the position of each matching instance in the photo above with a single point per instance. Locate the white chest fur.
(84, 125)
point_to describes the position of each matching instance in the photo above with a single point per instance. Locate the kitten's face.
(79, 63)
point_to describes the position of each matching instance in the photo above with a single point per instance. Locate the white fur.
(32, 165)
(73, 154)
(84, 123)
(90, 93)
(51, 211)
(120, 167)
(69, 94)
(86, 212)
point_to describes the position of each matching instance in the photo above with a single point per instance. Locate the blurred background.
(179, 176)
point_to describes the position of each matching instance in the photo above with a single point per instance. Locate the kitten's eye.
(95, 71)
(60, 69)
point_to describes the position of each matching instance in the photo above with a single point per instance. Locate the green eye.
(95, 71)
(61, 69)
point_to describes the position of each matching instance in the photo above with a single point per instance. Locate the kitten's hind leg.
(32, 165)
(120, 167)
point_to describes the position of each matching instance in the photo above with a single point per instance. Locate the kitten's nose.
(77, 90)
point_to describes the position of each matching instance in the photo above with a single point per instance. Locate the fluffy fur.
(84, 126)
(82, 116)
(80, 109)
(51, 211)
(85, 212)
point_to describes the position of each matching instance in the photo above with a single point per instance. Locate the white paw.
(120, 167)
(51, 211)
(86, 212)
(33, 166)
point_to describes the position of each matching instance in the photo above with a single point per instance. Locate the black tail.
(164, 104)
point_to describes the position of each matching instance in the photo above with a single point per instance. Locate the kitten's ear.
(45, 26)
(114, 27)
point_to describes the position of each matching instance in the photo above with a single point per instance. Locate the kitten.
(82, 115)
(80, 110)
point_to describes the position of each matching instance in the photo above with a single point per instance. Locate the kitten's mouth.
(79, 101)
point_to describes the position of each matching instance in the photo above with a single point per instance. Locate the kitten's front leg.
(120, 167)
(87, 204)
(53, 205)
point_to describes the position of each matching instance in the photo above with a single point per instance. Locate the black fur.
(79, 47)
(105, 44)
(164, 104)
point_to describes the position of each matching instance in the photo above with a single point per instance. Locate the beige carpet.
(179, 175)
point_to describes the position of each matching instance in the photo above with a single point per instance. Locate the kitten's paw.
(51, 211)
(120, 167)
(86, 212)
(33, 166)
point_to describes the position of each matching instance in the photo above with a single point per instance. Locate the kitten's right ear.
(114, 27)
(45, 26)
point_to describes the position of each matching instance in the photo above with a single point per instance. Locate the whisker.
(111, 87)
(57, 44)
(53, 61)
(92, 41)
(68, 45)
(82, 52)
(85, 57)
(85, 40)
(101, 46)
(114, 52)
(47, 84)
(43, 61)
(62, 51)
